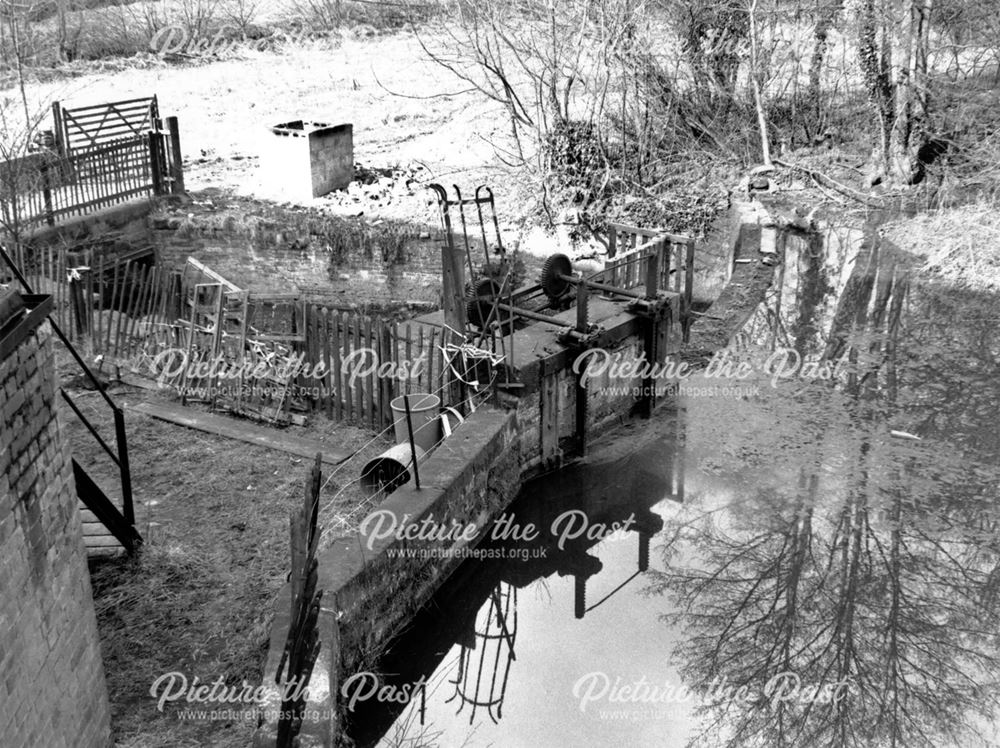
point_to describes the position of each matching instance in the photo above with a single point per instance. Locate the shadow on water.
(816, 558)
(547, 532)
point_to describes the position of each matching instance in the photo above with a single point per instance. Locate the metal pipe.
(413, 444)
(529, 315)
(604, 287)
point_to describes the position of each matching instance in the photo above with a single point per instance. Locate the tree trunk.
(820, 34)
(896, 76)
(911, 101)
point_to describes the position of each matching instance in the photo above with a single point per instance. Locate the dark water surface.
(810, 560)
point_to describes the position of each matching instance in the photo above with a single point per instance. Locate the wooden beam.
(240, 430)
(207, 271)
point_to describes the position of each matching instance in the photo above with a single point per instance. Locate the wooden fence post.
(652, 275)
(77, 285)
(176, 162)
(154, 162)
(57, 129)
(50, 217)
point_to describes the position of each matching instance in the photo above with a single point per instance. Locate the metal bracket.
(571, 337)
(658, 308)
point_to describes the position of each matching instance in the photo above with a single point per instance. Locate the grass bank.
(199, 599)
(959, 245)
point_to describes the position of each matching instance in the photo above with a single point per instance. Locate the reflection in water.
(480, 662)
(877, 566)
(464, 643)
(841, 536)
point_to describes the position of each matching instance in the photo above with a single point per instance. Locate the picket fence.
(292, 357)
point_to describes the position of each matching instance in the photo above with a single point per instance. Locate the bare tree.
(21, 167)
(821, 32)
(893, 49)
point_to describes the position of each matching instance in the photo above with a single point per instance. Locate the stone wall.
(370, 590)
(52, 688)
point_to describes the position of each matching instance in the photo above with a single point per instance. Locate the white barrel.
(424, 415)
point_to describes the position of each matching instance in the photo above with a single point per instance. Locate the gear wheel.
(479, 301)
(553, 283)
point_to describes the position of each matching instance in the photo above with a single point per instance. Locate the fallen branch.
(825, 181)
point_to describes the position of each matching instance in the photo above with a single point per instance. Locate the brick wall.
(52, 688)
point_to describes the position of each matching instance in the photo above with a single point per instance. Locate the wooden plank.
(88, 304)
(385, 355)
(146, 101)
(102, 546)
(375, 343)
(241, 346)
(152, 335)
(348, 392)
(335, 352)
(155, 303)
(368, 385)
(114, 291)
(313, 346)
(129, 304)
(146, 304)
(327, 359)
(136, 309)
(126, 285)
(394, 352)
(167, 287)
(384, 382)
(205, 270)
(359, 397)
(216, 340)
(137, 298)
(109, 132)
(244, 431)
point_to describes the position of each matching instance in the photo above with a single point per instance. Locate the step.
(98, 539)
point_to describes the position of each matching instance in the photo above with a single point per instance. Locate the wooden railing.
(623, 239)
(84, 127)
(628, 255)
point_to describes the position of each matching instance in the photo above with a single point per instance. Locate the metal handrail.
(121, 459)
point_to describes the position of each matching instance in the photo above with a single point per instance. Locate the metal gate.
(85, 127)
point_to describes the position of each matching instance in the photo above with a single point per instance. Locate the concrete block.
(309, 159)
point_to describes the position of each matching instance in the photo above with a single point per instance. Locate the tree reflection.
(879, 566)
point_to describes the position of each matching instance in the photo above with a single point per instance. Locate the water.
(808, 561)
